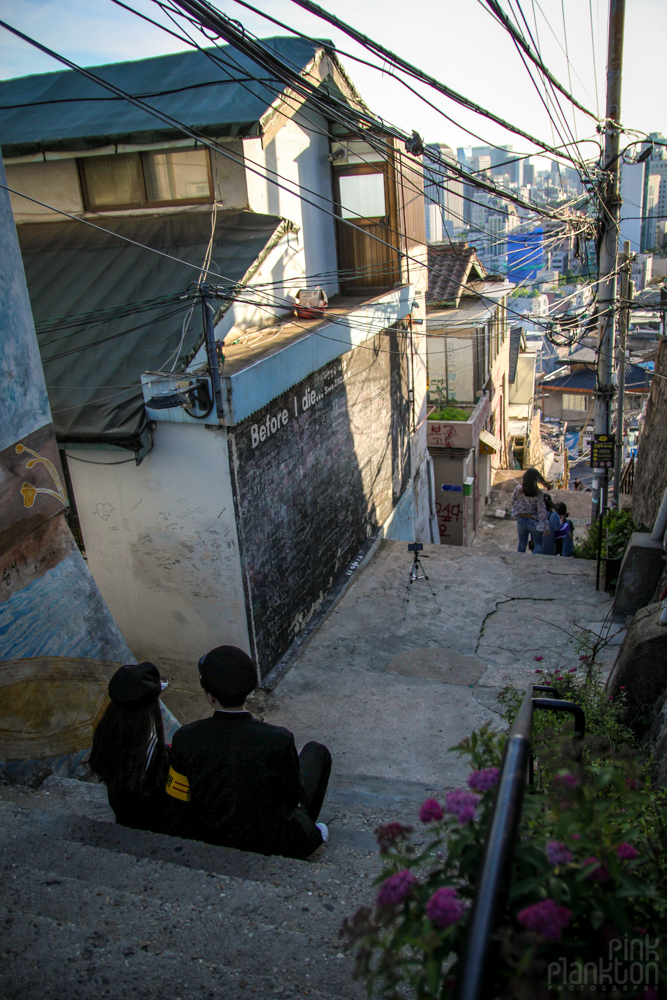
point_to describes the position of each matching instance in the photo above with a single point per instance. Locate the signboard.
(451, 489)
(602, 451)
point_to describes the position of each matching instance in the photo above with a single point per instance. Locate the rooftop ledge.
(459, 433)
(266, 362)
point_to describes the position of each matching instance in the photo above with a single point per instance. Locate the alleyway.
(107, 913)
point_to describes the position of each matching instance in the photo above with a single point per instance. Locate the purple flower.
(558, 853)
(584, 656)
(572, 670)
(567, 780)
(396, 888)
(461, 804)
(559, 678)
(444, 908)
(390, 834)
(483, 781)
(576, 836)
(538, 659)
(545, 918)
(597, 874)
(539, 671)
(626, 852)
(431, 810)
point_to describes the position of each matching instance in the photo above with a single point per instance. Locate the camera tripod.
(417, 572)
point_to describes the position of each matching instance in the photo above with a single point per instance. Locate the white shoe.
(324, 830)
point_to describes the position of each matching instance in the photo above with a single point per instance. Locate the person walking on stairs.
(529, 511)
(237, 782)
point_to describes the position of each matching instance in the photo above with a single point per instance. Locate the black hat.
(228, 674)
(135, 685)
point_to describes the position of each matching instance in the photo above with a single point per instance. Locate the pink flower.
(545, 918)
(622, 688)
(559, 678)
(391, 834)
(539, 671)
(572, 670)
(626, 852)
(538, 659)
(631, 783)
(431, 810)
(568, 780)
(444, 908)
(483, 781)
(558, 853)
(461, 804)
(598, 874)
(576, 836)
(396, 888)
(584, 656)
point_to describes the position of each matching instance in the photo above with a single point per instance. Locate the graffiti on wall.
(31, 485)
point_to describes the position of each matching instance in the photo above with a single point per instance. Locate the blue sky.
(455, 40)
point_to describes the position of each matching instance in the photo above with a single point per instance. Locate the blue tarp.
(65, 111)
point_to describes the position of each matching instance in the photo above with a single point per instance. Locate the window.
(362, 196)
(132, 180)
(572, 402)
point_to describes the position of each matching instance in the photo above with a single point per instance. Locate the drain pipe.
(660, 521)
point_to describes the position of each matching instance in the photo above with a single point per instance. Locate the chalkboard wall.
(315, 473)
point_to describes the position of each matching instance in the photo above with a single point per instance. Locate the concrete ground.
(391, 685)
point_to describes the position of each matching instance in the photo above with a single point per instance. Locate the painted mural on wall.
(318, 470)
(49, 603)
(31, 485)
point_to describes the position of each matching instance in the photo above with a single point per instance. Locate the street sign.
(446, 488)
(602, 451)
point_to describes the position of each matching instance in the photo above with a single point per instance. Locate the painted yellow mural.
(29, 491)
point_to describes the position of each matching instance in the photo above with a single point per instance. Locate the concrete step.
(48, 959)
(105, 910)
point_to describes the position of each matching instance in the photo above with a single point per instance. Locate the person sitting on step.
(129, 753)
(237, 782)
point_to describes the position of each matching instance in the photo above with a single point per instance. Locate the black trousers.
(315, 766)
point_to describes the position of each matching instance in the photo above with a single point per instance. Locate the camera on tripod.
(416, 547)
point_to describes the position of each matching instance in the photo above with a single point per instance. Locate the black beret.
(135, 685)
(228, 674)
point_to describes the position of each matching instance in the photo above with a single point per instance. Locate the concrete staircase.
(89, 909)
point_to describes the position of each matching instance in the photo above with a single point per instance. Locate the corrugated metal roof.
(450, 268)
(93, 370)
(65, 111)
(636, 380)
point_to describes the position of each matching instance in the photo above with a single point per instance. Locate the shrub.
(617, 526)
(588, 877)
(449, 413)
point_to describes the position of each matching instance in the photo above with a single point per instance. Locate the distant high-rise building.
(528, 173)
(443, 194)
(644, 195)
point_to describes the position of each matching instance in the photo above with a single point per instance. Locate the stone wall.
(651, 470)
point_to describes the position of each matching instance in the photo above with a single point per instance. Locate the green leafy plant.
(449, 413)
(617, 526)
(589, 871)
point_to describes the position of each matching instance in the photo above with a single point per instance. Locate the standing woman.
(129, 753)
(529, 510)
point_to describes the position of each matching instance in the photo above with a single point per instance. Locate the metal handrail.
(491, 897)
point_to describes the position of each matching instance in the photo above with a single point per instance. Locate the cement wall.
(161, 543)
(651, 468)
(328, 469)
(55, 182)
(301, 156)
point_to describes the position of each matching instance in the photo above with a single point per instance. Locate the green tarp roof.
(65, 111)
(93, 363)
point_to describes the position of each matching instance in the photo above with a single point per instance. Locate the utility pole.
(624, 317)
(608, 253)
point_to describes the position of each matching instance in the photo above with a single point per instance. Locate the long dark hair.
(120, 749)
(529, 486)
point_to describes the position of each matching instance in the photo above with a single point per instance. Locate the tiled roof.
(637, 379)
(450, 268)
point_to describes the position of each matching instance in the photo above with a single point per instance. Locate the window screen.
(113, 181)
(180, 175)
(572, 402)
(362, 196)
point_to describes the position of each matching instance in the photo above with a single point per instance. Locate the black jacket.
(235, 781)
